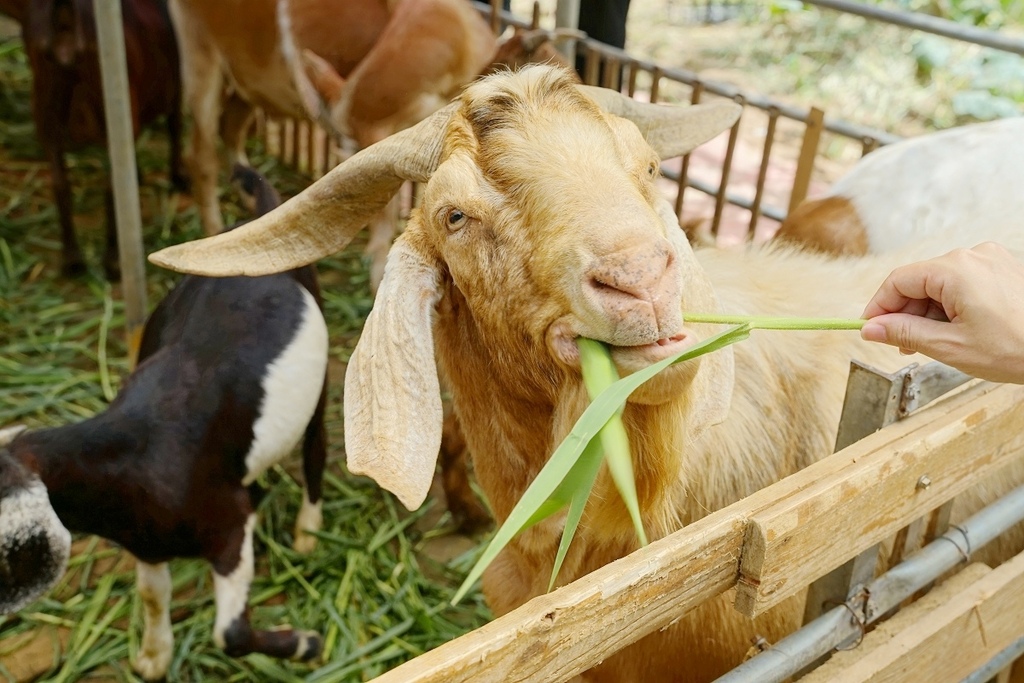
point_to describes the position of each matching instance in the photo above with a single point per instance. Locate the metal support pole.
(124, 178)
(567, 15)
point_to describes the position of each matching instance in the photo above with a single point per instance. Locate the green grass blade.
(568, 452)
(767, 322)
(599, 372)
(586, 469)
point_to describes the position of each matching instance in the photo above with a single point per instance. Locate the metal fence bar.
(762, 171)
(926, 23)
(684, 170)
(845, 623)
(997, 663)
(730, 150)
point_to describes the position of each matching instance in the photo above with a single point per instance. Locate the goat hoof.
(73, 268)
(180, 182)
(152, 666)
(112, 267)
(310, 646)
(304, 543)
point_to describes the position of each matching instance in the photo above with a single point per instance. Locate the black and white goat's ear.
(7, 434)
(34, 545)
(393, 412)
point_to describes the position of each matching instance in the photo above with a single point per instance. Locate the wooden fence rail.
(767, 546)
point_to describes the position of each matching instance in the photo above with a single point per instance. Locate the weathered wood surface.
(828, 513)
(556, 636)
(844, 504)
(952, 640)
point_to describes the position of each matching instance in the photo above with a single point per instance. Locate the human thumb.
(908, 332)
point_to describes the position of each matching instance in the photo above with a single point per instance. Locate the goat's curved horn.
(671, 131)
(324, 217)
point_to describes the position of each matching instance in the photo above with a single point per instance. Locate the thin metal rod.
(124, 177)
(926, 23)
(997, 663)
(846, 622)
(567, 15)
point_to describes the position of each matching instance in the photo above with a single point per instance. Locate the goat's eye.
(652, 169)
(456, 219)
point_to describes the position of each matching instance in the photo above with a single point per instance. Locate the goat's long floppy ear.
(716, 375)
(323, 218)
(671, 130)
(34, 545)
(393, 410)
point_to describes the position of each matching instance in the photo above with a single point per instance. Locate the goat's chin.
(668, 384)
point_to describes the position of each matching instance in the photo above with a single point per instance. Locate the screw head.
(924, 482)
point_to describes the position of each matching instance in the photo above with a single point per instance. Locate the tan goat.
(541, 222)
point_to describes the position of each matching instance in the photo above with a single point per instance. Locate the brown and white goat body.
(541, 223)
(954, 181)
(231, 375)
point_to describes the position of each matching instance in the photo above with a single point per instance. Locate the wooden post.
(496, 17)
(124, 178)
(808, 152)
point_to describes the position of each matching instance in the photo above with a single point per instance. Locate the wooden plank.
(954, 639)
(853, 499)
(808, 153)
(556, 636)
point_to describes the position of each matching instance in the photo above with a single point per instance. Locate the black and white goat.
(232, 374)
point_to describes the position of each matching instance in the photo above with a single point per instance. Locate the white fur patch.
(310, 518)
(154, 584)
(231, 592)
(291, 386)
(30, 528)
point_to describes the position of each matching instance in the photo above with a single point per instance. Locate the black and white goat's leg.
(53, 113)
(232, 578)
(314, 457)
(154, 584)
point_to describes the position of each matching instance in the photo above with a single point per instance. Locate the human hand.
(965, 309)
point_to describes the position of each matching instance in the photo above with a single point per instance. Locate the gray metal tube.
(839, 625)
(926, 23)
(567, 15)
(124, 178)
(997, 663)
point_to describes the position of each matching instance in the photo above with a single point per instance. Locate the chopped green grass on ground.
(370, 587)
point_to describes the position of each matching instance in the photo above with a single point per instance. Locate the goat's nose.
(631, 276)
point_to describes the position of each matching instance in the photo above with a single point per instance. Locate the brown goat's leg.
(383, 228)
(203, 83)
(52, 112)
(314, 457)
(154, 584)
(111, 260)
(234, 128)
(232, 577)
(179, 177)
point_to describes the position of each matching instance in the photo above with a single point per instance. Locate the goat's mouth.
(629, 359)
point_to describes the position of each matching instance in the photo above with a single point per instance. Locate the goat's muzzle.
(34, 545)
(636, 293)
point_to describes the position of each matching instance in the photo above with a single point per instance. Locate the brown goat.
(67, 95)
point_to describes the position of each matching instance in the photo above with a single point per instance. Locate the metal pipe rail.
(847, 622)
(927, 23)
